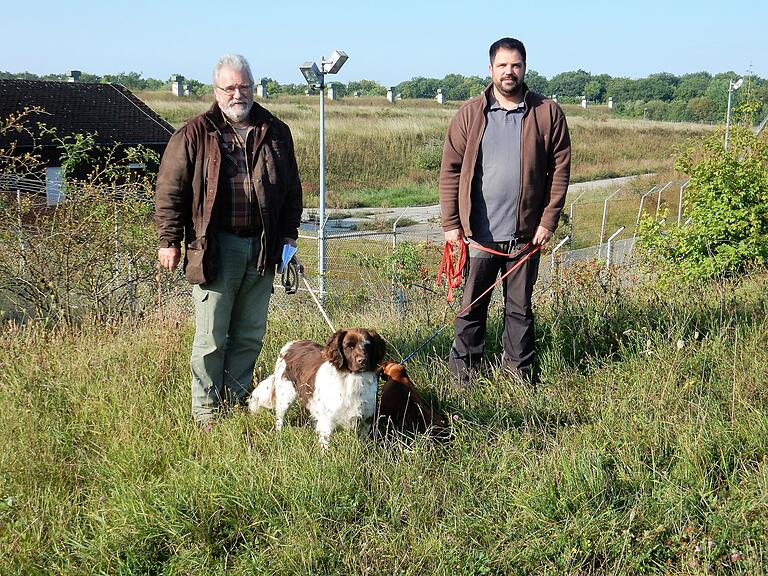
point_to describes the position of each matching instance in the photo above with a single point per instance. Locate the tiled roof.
(109, 110)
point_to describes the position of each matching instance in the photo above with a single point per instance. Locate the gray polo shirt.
(496, 183)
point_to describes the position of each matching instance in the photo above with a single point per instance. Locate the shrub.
(727, 210)
(429, 156)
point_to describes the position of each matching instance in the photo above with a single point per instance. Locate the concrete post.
(261, 89)
(331, 93)
(554, 98)
(584, 102)
(440, 96)
(74, 76)
(177, 85)
(610, 103)
(391, 94)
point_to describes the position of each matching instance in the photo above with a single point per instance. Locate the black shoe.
(465, 375)
(520, 376)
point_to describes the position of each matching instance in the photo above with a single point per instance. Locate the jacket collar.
(488, 97)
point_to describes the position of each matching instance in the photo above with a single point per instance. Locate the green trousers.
(230, 322)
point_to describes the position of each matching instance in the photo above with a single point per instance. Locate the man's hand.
(454, 236)
(541, 237)
(169, 258)
(290, 242)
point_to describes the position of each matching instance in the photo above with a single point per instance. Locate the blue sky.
(387, 41)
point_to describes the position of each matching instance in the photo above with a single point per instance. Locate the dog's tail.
(263, 395)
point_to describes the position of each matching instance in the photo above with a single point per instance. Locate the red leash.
(532, 249)
(453, 271)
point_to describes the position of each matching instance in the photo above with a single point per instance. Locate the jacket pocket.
(201, 260)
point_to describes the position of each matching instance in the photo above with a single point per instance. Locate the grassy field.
(382, 154)
(645, 450)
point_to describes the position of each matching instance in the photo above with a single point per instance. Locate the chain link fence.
(370, 262)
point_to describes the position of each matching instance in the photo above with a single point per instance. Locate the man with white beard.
(228, 190)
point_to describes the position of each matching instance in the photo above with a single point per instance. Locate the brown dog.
(402, 409)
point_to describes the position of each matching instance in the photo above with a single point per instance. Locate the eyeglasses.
(230, 90)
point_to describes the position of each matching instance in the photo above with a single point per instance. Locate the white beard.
(237, 113)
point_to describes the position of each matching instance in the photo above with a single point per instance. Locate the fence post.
(610, 247)
(570, 218)
(555, 249)
(398, 293)
(640, 209)
(394, 226)
(680, 202)
(658, 200)
(602, 226)
(116, 230)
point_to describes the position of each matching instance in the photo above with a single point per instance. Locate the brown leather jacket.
(545, 164)
(185, 194)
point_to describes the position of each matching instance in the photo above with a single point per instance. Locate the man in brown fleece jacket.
(503, 179)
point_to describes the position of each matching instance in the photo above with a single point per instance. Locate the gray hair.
(235, 62)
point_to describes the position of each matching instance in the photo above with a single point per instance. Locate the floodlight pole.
(321, 264)
(731, 87)
(315, 77)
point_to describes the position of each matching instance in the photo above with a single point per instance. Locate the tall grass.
(375, 145)
(645, 450)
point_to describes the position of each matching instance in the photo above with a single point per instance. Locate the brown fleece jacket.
(545, 164)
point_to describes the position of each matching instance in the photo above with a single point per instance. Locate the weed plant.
(643, 450)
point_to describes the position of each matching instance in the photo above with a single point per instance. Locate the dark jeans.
(519, 338)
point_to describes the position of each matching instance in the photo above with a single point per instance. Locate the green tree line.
(696, 97)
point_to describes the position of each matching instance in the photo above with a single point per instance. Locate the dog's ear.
(382, 368)
(397, 372)
(334, 349)
(379, 347)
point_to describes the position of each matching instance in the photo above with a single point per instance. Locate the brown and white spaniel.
(336, 383)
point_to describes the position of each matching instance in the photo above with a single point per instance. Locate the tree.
(131, 80)
(569, 84)
(594, 91)
(366, 88)
(621, 89)
(537, 82)
(692, 85)
(657, 86)
(419, 87)
(700, 109)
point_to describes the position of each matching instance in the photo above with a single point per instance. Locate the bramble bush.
(726, 211)
(92, 254)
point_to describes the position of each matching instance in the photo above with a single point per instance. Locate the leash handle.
(452, 270)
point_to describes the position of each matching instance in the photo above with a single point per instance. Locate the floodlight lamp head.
(738, 83)
(334, 62)
(311, 73)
